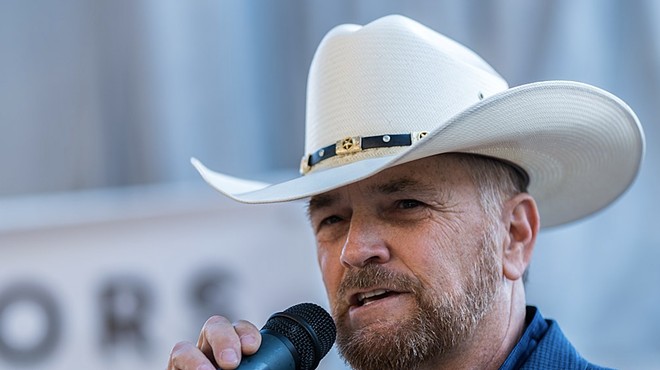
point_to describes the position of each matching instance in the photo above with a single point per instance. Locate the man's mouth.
(365, 298)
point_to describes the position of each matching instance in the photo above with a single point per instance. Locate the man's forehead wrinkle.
(393, 185)
(401, 184)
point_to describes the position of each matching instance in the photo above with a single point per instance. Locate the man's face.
(409, 260)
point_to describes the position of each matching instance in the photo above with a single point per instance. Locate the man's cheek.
(331, 272)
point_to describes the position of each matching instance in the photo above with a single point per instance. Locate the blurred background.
(112, 249)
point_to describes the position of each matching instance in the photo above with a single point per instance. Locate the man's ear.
(522, 218)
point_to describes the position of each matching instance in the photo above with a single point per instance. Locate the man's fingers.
(249, 336)
(220, 344)
(218, 340)
(185, 355)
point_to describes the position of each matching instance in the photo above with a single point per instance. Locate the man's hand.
(220, 343)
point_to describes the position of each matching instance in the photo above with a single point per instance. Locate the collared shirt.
(543, 346)
(535, 329)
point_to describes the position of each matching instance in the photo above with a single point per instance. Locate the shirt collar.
(535, 328)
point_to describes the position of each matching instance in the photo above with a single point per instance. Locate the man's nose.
(364, 244)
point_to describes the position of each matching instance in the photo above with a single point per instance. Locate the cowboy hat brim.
(580, 146)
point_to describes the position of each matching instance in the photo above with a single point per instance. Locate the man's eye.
(408, 204)
(330, 220)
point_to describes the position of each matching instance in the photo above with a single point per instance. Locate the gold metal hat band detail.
(356, 144)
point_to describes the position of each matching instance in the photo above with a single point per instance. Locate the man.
(428, 179)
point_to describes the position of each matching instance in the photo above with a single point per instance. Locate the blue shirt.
(544, 346)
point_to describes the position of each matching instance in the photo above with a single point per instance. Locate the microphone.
(295, 339)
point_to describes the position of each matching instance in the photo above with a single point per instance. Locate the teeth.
(362, 296)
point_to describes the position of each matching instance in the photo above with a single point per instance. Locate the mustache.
(373, 275)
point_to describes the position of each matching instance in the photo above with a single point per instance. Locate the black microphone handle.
(294, 339)
(275, 353)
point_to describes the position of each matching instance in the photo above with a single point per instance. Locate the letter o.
(37, 295)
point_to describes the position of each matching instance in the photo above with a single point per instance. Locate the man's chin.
(384, 343)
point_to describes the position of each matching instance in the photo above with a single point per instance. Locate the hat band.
(355, 144)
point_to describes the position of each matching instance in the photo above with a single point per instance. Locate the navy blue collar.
(535, 328)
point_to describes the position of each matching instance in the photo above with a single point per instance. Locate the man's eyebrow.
(321, 201)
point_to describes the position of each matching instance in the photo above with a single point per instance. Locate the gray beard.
(437, 325)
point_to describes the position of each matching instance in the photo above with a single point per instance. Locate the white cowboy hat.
(394, 91)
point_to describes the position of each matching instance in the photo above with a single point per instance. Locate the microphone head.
(310, 329)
